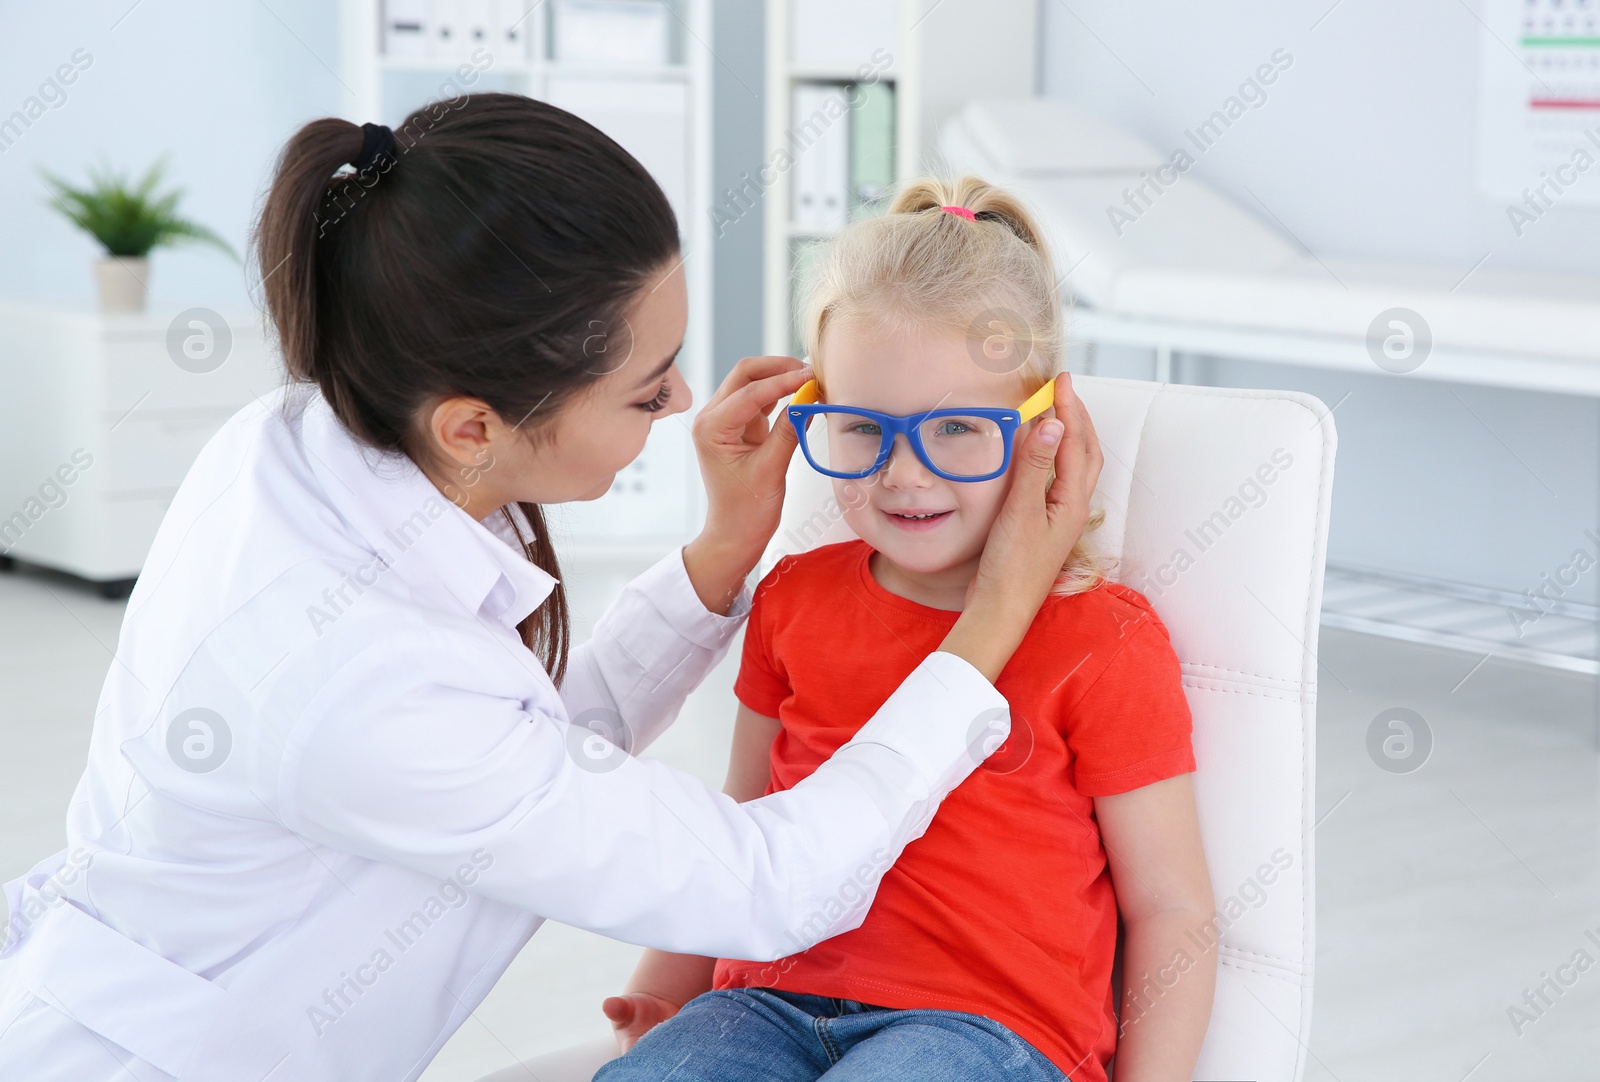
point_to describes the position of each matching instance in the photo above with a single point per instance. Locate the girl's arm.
(662, 982)
(1152, 839)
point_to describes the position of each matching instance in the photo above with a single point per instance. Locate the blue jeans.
(760, 1035)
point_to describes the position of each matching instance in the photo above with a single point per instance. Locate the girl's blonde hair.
(918, 265)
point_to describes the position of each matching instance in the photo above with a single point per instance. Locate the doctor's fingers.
(756, 383)
(1078, 457)
(739, 421)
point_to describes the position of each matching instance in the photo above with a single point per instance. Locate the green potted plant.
(128, 219)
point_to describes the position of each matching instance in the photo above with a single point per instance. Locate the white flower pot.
(123, 282)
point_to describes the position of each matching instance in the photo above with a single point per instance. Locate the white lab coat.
(330, 794)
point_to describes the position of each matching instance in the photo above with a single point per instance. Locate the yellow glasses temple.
(1041, 400)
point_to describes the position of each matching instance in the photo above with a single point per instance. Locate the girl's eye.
(953, 428)
(864, 428)
(659, 402)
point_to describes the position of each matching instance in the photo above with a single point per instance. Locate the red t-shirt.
(1004, 907)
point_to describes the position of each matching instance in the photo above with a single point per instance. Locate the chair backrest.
(1216, 504)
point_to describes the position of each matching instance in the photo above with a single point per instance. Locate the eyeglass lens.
(960, 446)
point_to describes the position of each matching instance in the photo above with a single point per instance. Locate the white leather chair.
(1217, 505)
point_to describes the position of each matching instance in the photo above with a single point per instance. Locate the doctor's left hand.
(632, 1014)
(743, 460)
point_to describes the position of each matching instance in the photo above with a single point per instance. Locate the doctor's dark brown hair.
(475, 261)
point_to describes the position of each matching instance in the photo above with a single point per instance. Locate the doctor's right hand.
(743, 460)
(743, 457)
(632, 1014)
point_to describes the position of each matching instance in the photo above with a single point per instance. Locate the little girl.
(988, 951)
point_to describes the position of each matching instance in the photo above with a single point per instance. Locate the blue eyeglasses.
(965, 444)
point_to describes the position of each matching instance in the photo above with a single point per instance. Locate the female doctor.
(343, 765)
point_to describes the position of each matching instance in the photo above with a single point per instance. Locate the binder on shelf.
(513, 28)
(463, 26)
(408, 28)
(477, 26)
(624, 32)
(820, 144)
(804, 195)
(871, 149)
(447, 35)
(833, 162)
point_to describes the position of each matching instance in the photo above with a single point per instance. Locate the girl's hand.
(742, 458)
(743, 461)
(633, 1013)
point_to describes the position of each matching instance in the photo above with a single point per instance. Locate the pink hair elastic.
(963, 212)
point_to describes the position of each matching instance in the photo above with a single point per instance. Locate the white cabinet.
(103, 416)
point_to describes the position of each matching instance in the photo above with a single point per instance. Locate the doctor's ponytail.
(473, 259)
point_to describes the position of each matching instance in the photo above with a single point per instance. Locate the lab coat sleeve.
(394, 762)
(649, 650)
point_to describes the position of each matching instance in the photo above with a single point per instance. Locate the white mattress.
(1194, 256)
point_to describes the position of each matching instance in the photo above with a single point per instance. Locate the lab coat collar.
(413, 529)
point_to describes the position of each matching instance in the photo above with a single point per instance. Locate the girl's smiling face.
(930, 531)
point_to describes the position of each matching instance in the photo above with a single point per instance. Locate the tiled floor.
(1442, 894)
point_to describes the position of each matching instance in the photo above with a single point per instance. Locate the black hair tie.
(377, 141)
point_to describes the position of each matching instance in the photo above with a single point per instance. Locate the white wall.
(1367, 144)
(220, 86)
(1366, 147)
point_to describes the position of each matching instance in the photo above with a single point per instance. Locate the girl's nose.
(904, 469)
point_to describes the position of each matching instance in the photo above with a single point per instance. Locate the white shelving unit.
(1553, 634)
(938, 53)
(661, 113)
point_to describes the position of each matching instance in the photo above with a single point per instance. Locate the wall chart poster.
(1539, 110)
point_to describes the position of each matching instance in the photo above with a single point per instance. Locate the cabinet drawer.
(139, 370)
(153, 451)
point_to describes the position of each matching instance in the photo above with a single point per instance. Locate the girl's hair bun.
(987, 203)
(919, 262)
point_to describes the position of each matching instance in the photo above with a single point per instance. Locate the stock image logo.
(598, 740)
(1399, 740)
(1399, 340)
(996, 747)
(606, 348)
(198, 740)
(999, 340)
(199, 340)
